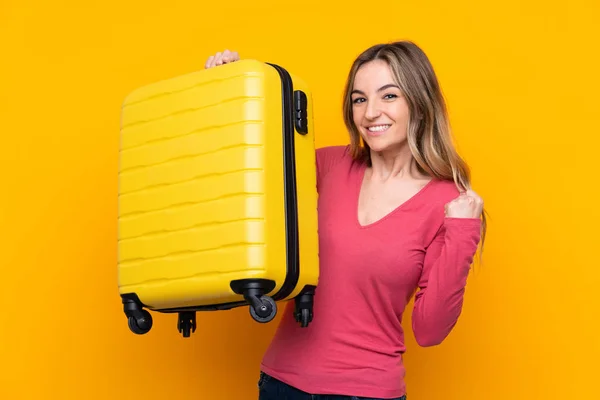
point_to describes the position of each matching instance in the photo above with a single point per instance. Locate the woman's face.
(379, 108)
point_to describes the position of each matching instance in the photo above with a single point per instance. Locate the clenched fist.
(467, 205)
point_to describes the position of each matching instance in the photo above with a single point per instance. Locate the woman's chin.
(380, 145)
(377, 144)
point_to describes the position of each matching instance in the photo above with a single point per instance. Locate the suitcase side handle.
(301, 112)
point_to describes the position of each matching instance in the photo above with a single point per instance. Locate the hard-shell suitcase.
(217, 195)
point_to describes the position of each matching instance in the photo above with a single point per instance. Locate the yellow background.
(522, 83)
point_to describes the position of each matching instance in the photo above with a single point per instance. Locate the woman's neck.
(394, 165)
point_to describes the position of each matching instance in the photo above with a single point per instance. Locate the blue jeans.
(270, 388)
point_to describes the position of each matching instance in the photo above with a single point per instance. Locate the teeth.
(378, 128)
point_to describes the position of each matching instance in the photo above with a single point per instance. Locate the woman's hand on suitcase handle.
(221, 58)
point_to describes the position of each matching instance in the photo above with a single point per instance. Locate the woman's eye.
(358, 100)
(390, 96)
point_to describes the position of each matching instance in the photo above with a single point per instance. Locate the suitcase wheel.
(138, 319)
(304, 307)
(304, 317)
(263, 308)
(186, 323)
(140, 323)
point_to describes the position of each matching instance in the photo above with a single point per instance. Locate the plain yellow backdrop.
(521, 79)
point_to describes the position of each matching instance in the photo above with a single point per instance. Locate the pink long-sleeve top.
(368, 274)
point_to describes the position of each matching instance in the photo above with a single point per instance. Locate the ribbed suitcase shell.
(216, 184)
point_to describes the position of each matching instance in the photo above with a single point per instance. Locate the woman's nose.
(373, 110)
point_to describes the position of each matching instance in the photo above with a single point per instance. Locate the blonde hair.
(428, 134)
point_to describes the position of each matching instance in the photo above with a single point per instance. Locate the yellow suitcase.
(217, 196)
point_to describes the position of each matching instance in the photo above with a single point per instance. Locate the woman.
(396, 216)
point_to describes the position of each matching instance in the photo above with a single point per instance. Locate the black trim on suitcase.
(291, 198)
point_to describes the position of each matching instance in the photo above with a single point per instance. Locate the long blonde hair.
(428, 134)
